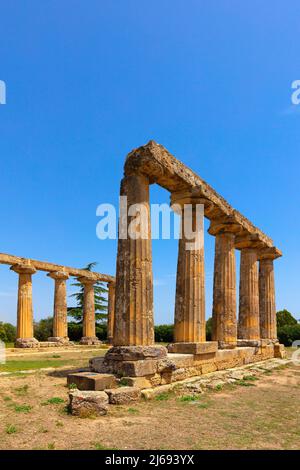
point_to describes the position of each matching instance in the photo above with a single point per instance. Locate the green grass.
(252, 378)
(203, 406)
(23, 408)
(11, 429)
(17, 365)
(98, 446)
(133, 411)
(53, 401)
(162, 396)
(7, 398)
(188, 398)
(219, 387)
(22, 390)
(51, 446)
(245, 383)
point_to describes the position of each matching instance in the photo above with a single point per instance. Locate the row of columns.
(134, 291)
(25, 333)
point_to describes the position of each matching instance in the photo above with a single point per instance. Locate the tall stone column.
(134, 284)
(224, 322)
(267, 306)
(25, 336)
(89, 320)
(248, 325)
(60, 322)
(189, 324)
(111, 312)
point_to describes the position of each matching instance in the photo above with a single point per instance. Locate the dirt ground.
(265, 415)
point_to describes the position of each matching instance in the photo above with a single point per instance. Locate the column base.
(225, 345)
(205, 347)
(59, 339)
(90, 340)
(27, 343)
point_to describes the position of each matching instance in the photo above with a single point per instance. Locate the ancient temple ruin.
(236, 339)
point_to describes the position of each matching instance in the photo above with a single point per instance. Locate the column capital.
(224, 225)
(86, 280)
(58, 275)
(23, 268)
(247, 241)
(270, 253)
(181, 198)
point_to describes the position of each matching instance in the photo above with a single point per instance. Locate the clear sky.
(87, 81)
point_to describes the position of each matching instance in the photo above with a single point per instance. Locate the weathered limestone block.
(248, 324)
(155, 380)
(179, 374)
(180, 360)
(226, 359)
(123, 395)
(138, 382)
(92, 381)
(208, 367)
(166, 365)
(97, 365)
(88, 403)
(205, 347)
(135, 353)
(138, 368)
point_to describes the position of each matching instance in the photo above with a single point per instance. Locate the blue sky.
(89, 81)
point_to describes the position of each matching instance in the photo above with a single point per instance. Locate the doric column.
(60, 322)
(224, 323)
(248, 325)
(25, 336)
(89, 320)
(267, 306)
(111, 312)
(134, 283)
(189, 324)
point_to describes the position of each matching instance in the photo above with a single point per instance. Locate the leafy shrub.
(284, 318)
(164, 333)
(43, 329)
(288, 333)
(8, 332)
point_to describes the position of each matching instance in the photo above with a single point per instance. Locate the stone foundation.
(150, 366)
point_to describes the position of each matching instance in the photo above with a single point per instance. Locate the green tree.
(100, 290)
(8, 332)
(284, 318)
(209, 329)
(43, 329)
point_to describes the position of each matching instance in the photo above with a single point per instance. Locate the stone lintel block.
(226, 354)
(249, 343)
(123, 395)
(201, 358)
(88, 403)
(90, 340)
(138, 368)
(92, 381)
(136, 353)
(27, 343)
(225, 345)
(193, 348)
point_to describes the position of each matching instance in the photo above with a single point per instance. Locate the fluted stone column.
(89, 320)
(25, 336)
(134, 283)
(224, 322)
(189, 322)
(248, 324)
(60, 322)
(111, 312)
(267, 306)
